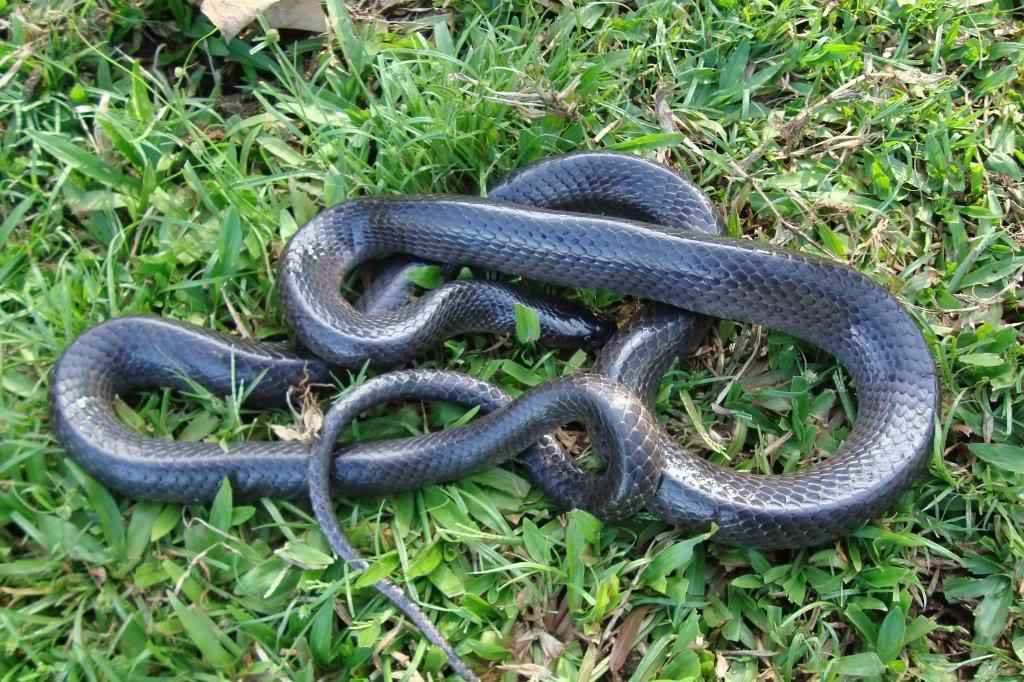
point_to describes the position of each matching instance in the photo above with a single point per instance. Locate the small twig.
(758, 653)
(195, 562)
(243, 331)
(743, 370)
(777, 443)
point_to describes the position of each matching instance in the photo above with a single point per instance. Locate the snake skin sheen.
(822, 302)
(597, 220)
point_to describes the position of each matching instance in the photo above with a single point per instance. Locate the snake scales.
(599, 220)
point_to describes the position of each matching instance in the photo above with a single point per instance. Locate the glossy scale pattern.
(827, 304)
(655, 236)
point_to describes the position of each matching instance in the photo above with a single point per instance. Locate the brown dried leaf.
(406, 663)
(522, 639)
(530, 671)
(231, 16)
(309, 415)
(551, 646)
(288, 434)
(963, 428)
(624, 641)
(721, 666)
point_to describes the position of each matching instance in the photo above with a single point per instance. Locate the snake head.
(567, 324)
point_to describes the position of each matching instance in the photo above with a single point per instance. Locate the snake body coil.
(654, 236)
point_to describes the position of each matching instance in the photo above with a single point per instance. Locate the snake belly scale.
(598, 220)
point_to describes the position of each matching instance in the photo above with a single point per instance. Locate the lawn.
(148, 166)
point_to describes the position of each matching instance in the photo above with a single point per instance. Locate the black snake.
(598, 220)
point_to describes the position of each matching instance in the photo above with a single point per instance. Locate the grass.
(149, 167)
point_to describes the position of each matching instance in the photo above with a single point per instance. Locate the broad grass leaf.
(537, 543)
(890, 635)
(859, 665)
(304, 556)
(527, 324)
(165, 522)
(102, 502)
(229, 245)
(83, 162)
(223, 503)
(203, 633)
(140, 529)
(321, 634)
(425, 562)
(670, 560)
(981, 359)
(649, 141)
(427, 276)
(378, 570)
(1002, 455)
